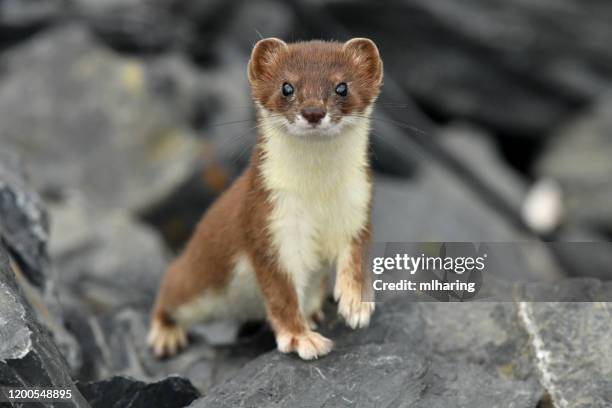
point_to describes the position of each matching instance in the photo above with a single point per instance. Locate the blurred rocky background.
(121, 121)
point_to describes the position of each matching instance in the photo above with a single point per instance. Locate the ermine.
(301, 204)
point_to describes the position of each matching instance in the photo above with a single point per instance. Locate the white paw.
(166, 340)
(350, 306)
(308, 345)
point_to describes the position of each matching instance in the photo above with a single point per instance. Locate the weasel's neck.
(303, 165)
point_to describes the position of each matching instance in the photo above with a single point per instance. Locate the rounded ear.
(365, 54)
(263, 55)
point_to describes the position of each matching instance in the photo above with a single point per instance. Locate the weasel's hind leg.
(314, 310)
(166, 337)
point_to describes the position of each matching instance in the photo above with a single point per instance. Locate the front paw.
(355, 312)
(166, 340)
(308, 345)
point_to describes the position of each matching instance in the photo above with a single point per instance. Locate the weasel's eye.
(342, 89)
(287, 89)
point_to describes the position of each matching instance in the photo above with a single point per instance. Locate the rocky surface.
(23, 224)
(105, 263)
(413, 355)
(434, 354)
(133, 115)
(28, 355)
(400, 203)
(572, 350)
(114, 343)
(97, 114)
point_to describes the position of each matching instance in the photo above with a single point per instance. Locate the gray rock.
(256, 20)
(104, 261)
(437, 207)
(28, 14)
(578, 157)
(28, 356)
(15, 335)
(571, 342)
(487, 334)
(218, 104)
(584, 251)
(68, 99)
(23, 219)
(124, 392)
(531, 58)
(522, 35)
(25, 231)
(408, 357)
(115, 344)
(477, 150)
(369, 375)
(456, 73)
(142, 26)
(109, 268)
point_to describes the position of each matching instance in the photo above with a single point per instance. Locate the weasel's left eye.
(287, 89)
(342, 89)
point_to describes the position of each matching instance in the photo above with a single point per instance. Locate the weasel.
(301, 204)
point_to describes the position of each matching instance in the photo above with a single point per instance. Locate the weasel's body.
(264, 248)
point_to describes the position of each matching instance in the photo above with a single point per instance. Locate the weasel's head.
(315, 87)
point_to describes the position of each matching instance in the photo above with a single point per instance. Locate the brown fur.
(315, 68)
(238, 221)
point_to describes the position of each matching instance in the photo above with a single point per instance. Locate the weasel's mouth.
(323, 127)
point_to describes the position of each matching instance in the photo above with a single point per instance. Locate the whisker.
(394, 122)
(233, 122)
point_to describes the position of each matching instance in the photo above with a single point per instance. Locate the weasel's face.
(315, 88)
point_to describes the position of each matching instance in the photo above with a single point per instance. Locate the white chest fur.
(320, 193)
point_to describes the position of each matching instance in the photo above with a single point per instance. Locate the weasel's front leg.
(290, 326)
(166, 336)
(350, 284)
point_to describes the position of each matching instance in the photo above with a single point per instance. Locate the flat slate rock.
(373, 375)
(412, 355)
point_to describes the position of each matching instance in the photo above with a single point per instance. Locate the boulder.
(421, 355)
(24, 229)
(66, 98)
(369, 375)
(28, 356)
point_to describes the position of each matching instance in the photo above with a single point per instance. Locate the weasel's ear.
(365, 54)
(263, 56)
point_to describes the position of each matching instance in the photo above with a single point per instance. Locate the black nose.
(313, 115)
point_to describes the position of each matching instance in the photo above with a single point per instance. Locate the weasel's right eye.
(287, 89)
